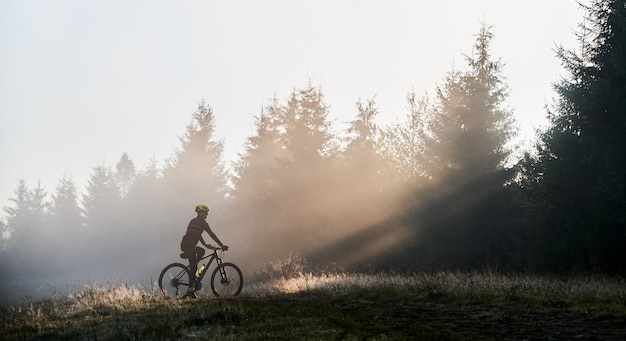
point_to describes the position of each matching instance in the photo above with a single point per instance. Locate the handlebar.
(216, 248)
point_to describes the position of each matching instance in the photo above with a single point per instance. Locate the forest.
(440, 189)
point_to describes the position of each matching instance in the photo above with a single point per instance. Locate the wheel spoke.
(174, 279)
(226, 280)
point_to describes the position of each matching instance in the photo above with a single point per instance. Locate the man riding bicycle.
(190, 240)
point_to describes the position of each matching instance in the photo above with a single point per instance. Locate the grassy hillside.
(445, 305)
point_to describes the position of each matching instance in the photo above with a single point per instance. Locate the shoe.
(190, 294)
(197, 284)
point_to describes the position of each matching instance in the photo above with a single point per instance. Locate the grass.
(444, 305)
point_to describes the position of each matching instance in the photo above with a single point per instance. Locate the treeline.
(437, 189)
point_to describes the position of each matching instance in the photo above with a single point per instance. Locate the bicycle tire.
(174, 280)
(231, 285)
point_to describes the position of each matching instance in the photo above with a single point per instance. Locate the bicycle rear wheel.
(174, 280)
(226, 280)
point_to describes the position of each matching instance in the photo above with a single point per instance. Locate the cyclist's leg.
(190, 250)
(195, 253)
(193, 266)
(199, 253)
(193, 262)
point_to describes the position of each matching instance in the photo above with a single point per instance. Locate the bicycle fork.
(222, 271)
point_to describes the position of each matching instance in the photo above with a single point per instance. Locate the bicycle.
(226, 280)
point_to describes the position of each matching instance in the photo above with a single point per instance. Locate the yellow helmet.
(202, 208)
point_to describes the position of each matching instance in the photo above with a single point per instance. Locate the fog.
(131, 244)
(353, 198)
(109, 236)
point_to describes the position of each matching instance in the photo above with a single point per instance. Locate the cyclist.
(189, 244)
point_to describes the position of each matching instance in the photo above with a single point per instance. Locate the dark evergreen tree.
(255, 192)
(405, 144)
(575, 184)
(363, 131)
(284, 179)
(362, 194)
(65, 213)
(103, 223)
(5, 263)
(25, 222)
(64, 229)
(147, 196)
(196, 173)
(472, 127)
(101, 203)
(306, 170)
(4, 238)
(19, 221)
(307, 134)
(40, 206)
(150, 218)
(125, 174)
(461, 209)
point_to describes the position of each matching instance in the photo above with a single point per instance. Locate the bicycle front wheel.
(174, 280)
(226, 280)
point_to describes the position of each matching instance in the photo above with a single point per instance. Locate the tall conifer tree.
(25, 223)
(196, 173)
(575, 185)
(306, 168)
(65, 213)
(101, 202)
(462, 211)
(125, 174)
(255, 193)
(472, 126)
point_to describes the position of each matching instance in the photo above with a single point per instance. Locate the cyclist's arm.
(214, 236)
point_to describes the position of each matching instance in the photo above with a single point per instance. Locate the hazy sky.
(81, 82)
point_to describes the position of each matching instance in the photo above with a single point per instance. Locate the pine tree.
(6, 263)
(65, 213)
(460, 209)
(196, 173)
(405, 144)
(307, 168)
(307, 133)
(257, 165)
(65, 224)
(255, 180)
(25, 222)
(39, 206)
(124, 174)
(149, 210)
(575, 186)
(363, 131)
(147, 194)
(284, 182)
(362, 192)
(102, 201)
(4, 237)
(472, 127)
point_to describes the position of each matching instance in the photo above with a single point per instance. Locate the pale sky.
(81, 82)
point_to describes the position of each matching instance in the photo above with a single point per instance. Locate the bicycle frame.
(213, 257)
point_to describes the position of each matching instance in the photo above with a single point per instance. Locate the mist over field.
(445, 187)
